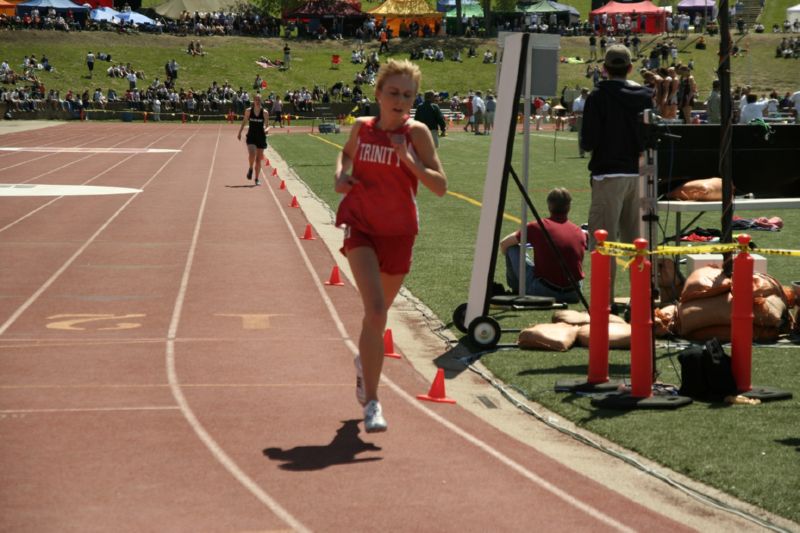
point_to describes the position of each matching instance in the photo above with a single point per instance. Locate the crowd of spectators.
(42, 20)
(197, 24)
(788, 48)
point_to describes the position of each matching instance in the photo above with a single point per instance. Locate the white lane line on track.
(89, 150)
(34, 135)
(472, 439)
(105, 171)
(90, 410)
(216, 450)
(52, 279)
(27, 161)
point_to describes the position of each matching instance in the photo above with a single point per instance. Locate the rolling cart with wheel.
(485, 331)
(516, 70)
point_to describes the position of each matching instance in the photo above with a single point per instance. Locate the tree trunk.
(459, 25)
(487, 17)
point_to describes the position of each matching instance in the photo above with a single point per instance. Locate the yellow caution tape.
(619, 249)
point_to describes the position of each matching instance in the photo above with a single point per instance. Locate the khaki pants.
(615, 208)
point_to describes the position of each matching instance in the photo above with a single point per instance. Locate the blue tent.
(104, 14)
(132, 17)
(79, 12)
(61, 6)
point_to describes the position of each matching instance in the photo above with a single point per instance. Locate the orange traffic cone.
(275, 172)
(294, 202)
(308, 236)
(436, 394)
(282, 185)
(335, 280)
(388, 345)
(266, 161)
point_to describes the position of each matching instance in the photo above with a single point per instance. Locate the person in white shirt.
(132, 80)
(478, 109)
(795, 99)
(753, 109)
(577, 110)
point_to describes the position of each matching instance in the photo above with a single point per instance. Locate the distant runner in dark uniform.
(257, 121)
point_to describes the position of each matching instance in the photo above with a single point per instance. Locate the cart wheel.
(485, 332)
(459, 316)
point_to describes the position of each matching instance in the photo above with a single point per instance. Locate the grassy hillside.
(233, 59)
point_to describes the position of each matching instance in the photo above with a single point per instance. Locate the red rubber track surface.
(169, 362)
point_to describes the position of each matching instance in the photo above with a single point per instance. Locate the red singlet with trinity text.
(383, 202)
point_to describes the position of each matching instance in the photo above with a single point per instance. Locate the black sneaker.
(249, 173)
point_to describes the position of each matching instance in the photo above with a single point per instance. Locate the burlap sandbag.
(703, 313)
(723, 334)
(705, 190)
(619, 335)
(579, 318)
(705, 282)
(557, 337)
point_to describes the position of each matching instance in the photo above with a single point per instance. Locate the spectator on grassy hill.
(470, 120)
(90, 63)
(488, 117)
(131, 76)
(753, 109)
(713, 104)
(98, 100)
(577, 111)
(687, 91)
(428, 113)
(478, 110)
(276, 110)
(287, 56)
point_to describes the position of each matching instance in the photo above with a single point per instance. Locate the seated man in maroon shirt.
(544, 275)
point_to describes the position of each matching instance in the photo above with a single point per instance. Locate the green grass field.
(748, 451)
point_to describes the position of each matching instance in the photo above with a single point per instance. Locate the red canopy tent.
(655, 17)
(98, 3)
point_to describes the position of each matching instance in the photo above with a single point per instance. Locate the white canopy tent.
(793, 13)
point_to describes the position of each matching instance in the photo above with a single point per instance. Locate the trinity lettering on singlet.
(376, 153)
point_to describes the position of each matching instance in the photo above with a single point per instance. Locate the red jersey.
(383, 202)
(568, 238)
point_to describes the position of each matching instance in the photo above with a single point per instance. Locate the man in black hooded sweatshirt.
(611, 132)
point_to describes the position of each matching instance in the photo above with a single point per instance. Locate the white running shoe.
(373, 417)
(361, 393)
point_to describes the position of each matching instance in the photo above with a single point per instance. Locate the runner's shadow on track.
(253, 186)
(341, 450)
